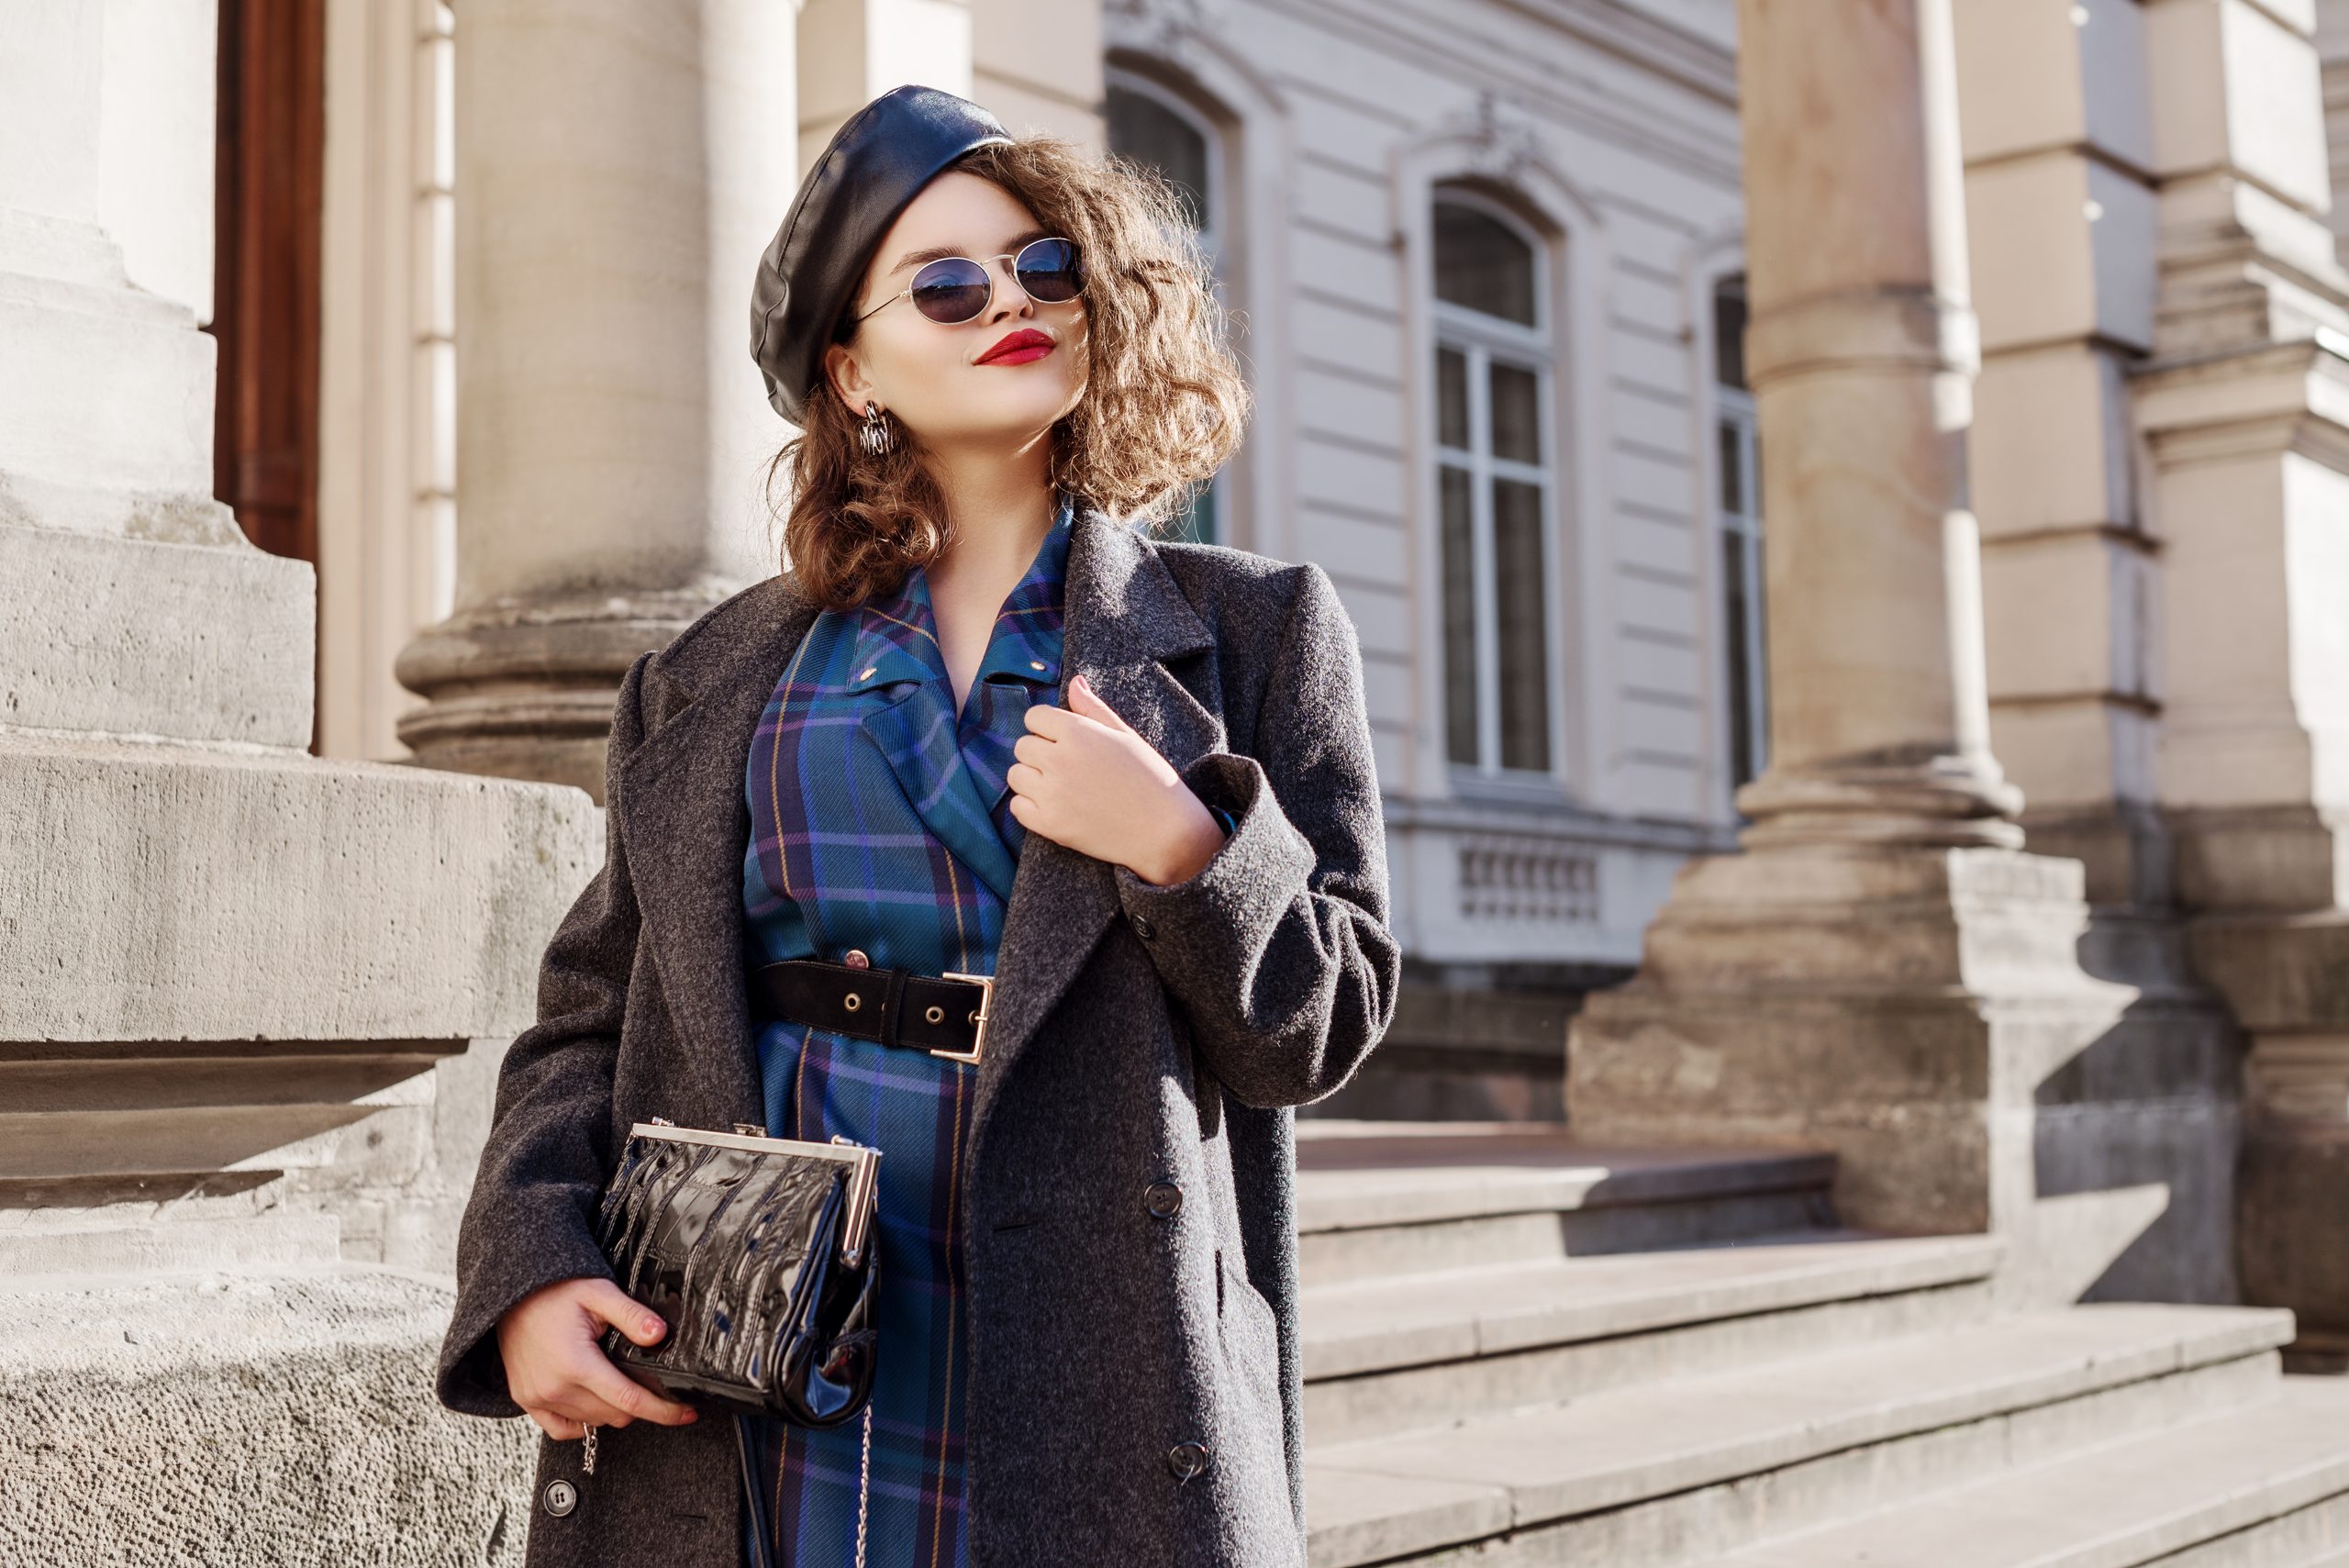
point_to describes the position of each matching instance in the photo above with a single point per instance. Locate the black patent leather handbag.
(758, 1252)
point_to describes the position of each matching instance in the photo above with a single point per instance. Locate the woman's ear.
(846, 373)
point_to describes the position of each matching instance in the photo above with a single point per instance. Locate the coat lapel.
(686, 822)
(1122, 616)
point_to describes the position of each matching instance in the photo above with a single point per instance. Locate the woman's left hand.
(1085, 779)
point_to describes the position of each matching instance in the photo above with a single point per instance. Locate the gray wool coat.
(1140, 1034)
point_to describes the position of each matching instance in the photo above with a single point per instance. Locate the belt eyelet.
(933, 1014)
(853, 1002)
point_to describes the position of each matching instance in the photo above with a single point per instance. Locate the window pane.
(1737, 604)
(1517, 413)
(1451, 398)
(1459, 619)
(1524, 631)
(1480, 262)
(1729, 332)
(1733, 471)
(1142, 129)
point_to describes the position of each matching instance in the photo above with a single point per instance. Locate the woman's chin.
(1002, 429)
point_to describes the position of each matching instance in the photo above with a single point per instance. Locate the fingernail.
(653, 1325)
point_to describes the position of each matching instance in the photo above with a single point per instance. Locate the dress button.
(562, 1496)
(1187, 1460)
(1143, 928)
(1163, 1199)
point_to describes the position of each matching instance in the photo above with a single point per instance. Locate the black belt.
(945, 1014)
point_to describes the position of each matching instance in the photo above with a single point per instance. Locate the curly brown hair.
(1163, 405)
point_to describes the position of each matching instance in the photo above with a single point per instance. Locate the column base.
(1926, 1015)
(523, 689)
(1945, 802)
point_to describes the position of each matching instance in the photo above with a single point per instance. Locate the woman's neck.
(1002, 504)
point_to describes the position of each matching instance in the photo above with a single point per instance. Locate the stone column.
(2244, 412)
(1882, 973)
(621, 165)
(1862, 341)
(852, 51)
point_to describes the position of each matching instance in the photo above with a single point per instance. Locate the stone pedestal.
(227, 968)
(621, 166)
(254, 1417)
(1883, 972)
(1929, 1017)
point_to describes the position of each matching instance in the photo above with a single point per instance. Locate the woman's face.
(971, 384)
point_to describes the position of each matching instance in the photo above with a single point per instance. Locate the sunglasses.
(956, 289)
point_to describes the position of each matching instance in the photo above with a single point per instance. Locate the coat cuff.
(1224, 911)
(471, 1375)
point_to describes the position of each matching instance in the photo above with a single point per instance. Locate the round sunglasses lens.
(952, 290)
(1048, 270)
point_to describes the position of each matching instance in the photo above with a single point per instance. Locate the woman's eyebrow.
(939, 252)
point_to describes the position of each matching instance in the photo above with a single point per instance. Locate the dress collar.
(896, 635)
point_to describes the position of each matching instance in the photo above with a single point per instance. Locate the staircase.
(1520, 1351)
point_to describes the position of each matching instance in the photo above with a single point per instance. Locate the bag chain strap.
(758, 1514)
(863, 1483)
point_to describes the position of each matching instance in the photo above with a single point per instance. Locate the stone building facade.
(1566, 679)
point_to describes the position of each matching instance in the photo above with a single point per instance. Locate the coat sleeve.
(532, 1217)
(1278, 948)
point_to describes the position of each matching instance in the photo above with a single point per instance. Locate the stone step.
(2262, 1486)
(1391, 1199)
(1665, 1474)
(1385, 1355)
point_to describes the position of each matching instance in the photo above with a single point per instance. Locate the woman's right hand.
(561, 1376)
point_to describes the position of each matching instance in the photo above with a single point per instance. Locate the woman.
(1086, 1243)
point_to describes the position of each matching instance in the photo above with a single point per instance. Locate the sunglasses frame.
(986, 265)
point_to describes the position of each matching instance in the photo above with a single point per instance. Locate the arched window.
(1495, 484)
(1740, 520)
(1152, 125)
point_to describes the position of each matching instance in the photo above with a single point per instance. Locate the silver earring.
(875, 432)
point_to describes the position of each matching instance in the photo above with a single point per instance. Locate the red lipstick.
(1018, 348)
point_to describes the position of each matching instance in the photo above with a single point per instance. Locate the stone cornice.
(1694, 62)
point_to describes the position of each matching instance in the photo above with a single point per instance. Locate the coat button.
(562, 1496)
(1163, 1199)
(1143, 928)
(1187, 1460)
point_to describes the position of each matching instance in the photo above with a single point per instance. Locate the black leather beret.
(875, 164)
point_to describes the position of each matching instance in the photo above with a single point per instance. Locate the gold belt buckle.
(986, 1006)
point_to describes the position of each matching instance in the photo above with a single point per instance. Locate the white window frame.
(1481, 339)
(1211, 236)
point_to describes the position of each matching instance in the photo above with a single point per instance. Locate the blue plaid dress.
(881, 820)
